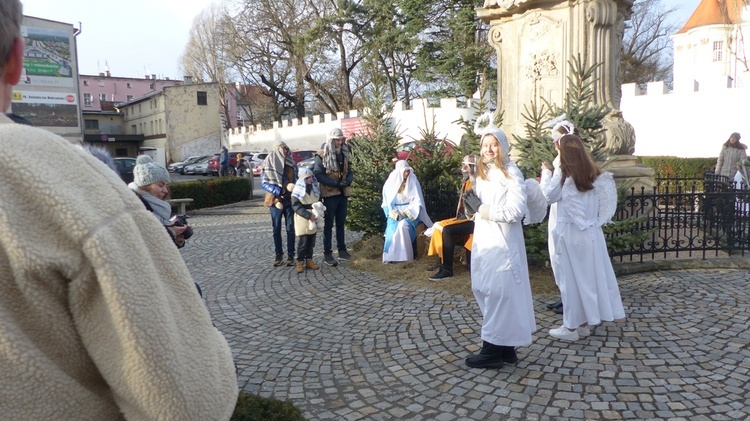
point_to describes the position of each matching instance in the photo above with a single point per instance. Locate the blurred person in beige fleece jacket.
(99, 317)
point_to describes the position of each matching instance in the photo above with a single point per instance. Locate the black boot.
(555, 304)
(509, 355)
(491, 356)
(279, 258)
(558, 309)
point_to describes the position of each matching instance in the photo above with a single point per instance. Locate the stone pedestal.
(626, 169)
(536, 39)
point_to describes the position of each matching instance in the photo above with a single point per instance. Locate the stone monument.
(535, 40)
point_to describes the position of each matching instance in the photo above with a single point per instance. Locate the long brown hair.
(501, 160)
(576, 162)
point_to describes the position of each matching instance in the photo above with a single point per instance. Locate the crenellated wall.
(311, 134)
(684, 124)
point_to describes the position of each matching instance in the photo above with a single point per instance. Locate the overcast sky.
(138, 37)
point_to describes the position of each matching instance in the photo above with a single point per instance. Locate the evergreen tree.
(372, 153)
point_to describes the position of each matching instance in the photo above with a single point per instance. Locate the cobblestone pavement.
(344, 345)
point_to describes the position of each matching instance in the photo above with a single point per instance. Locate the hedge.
(214, 192)
(672, 166)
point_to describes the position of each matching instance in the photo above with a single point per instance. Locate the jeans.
(276, 216)
(336, 207)
(305, 246)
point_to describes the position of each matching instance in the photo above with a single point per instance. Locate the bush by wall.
(252, 407)
(672, 166)
(213, 192)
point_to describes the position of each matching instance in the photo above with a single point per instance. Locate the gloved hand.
(471, 201)
(341, 184)
(345, 183)
(484, 212)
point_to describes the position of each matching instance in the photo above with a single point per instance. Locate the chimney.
(153, 76)
(107, 73)
(188, 80)
(148, 77)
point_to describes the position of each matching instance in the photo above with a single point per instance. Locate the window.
(202, 98)
(85, 83)
(128, 85)
(102, 97)
(101, 83)
(134, 129)
(92, 124)
(87, 100)
(130, 97)
(718, 51)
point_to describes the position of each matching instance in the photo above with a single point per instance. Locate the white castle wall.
(685, 124)
(407, 122)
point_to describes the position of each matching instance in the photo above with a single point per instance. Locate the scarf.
(273, 166)
(331, 155)
(300, 187)
(160, 208)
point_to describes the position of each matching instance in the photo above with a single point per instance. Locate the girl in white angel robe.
(499, 272)
(403, 204)
(587, 199)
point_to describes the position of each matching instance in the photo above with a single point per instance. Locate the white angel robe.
(499, 272)
(582, 268)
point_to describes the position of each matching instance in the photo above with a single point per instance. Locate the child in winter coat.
(306, 192)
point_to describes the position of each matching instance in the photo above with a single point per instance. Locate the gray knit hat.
(147, 172)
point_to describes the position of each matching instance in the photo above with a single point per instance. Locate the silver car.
(200, 167)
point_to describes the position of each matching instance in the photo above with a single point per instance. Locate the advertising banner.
(47, 109)
(47, 57)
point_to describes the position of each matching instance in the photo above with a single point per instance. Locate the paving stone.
(346, 345)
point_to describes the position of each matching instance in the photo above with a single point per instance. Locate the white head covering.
(412, 189)
(560, 121)
(485, 125)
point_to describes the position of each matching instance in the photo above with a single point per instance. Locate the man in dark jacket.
(224, 162)
(334, 174)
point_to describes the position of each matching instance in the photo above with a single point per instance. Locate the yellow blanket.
(436, 242)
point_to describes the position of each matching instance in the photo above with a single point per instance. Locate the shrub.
(210, 193)
(671, 166)
(252, 407)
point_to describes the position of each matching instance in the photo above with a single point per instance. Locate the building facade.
(100, 92)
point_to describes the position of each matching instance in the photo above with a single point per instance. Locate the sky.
(137, 37)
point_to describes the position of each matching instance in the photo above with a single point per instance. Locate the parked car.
(302, 155)
(178, 166)
(257, 161)
(200, 167)
(410, 150)
(213, 163)
(308, 163)
(125, 168)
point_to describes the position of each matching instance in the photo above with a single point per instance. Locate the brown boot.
(311, 265)
(300, 267)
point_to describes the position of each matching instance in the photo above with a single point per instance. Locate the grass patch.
(252, 407)
(368, 257)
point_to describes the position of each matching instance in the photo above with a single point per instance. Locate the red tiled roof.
(712, 12)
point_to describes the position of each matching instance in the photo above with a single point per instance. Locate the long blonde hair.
(501, 160)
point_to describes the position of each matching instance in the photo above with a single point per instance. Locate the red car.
(302, 155)
(213, 163)
(410, 150)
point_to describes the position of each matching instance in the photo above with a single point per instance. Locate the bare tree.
(205, 58)
(647, 48)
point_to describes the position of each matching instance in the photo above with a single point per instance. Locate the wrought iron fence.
(680, 217)
(697, 217)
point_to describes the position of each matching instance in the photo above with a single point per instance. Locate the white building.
(711, 93)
